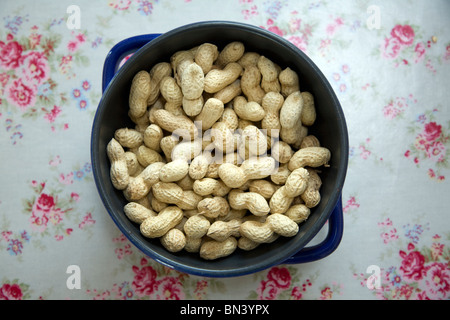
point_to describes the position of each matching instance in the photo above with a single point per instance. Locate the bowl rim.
(341, 174)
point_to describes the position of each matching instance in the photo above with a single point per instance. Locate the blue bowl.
(330, 128)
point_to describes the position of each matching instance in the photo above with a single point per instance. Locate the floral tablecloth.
(389, 64)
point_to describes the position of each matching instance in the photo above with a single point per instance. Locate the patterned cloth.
(388, 62)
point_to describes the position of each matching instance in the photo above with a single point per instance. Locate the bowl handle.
(121, 50)
(328, 245)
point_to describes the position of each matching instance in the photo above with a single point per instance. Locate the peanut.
(139, 186)
(289, 82)
(157, 73)
(298, 213)
(152, 137)
(196, 226)
(168, 218)
(213, 249)
(250, 83)
(229, 92)
(281, 151)
(210, 186)
(174, 240)
(308, 115)
(269, 73)
(232, 52)
(119, 172)
(253, 168)
(217, 79)
(222, 132)
(199, 166)
(311, 196)
(221, 230)
(263, 232)
(171, 193)
(251, 110)
(310, 141)
(252, 142)
(205, 56)
(252, 201)
(147, 156)
(295, 185)
(309, 157)
(263, 187)
(249, 59)
(272, 103)
(181, 125)
(137, 212)
(128, 138)
(291, 110)
(213, 207)
(211, 112)
(192, 84)
(139, 93)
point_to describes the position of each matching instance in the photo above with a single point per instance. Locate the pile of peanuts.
(220, 157)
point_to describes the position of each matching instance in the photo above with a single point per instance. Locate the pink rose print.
(10, 54)
(437, 280)
(432, 131)
(412, 265)
(11, 292)
(404, 34)
(35, 67)
(419, 52)
(267, 291)
(280, 276)
(144, 282)
(21, 94)
(41, 212)
(171, 289)
(278, 279)
(391, 48)
(436, 151)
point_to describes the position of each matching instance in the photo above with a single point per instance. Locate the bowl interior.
(330, 128)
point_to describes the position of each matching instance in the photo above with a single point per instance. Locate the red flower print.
(20, 94)
(437, 280)
(34, 39)
(42, 212)
(296, 293)
(412, 265)
(4, 78)
(432, 131)
(35, 67)
(268, 290)
(72, 45)
(280, 276)
(11, 292)
(170, 288)
(404, 34)
(436, 151)
(391, 48)
(419, 52)
(326, 294)
(144, 282)
(10, 54)
(51, 116)
(44, 203)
